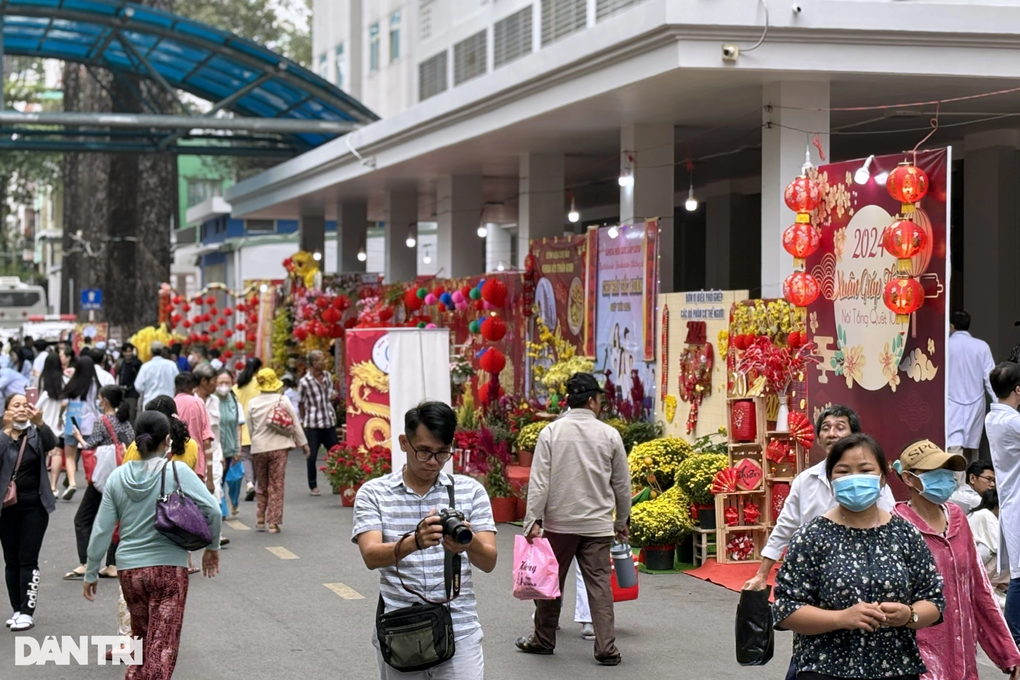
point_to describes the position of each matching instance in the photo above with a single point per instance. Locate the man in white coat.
(969, 363)
(1003, 426)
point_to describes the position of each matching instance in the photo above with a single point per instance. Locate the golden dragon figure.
(366, 377)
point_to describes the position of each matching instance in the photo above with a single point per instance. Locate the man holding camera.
(579, 477)
(407, 516)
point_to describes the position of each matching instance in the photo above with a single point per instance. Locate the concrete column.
(782, 156)
(401, 212)
(991, 246)
(459, 251)
(351, 235)
(647, 156)
(312, 231)
(540, 212)
(498, 247)
(719, 214)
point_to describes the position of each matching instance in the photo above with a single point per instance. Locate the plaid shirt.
(316, 397)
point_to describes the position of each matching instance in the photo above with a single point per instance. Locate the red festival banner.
(368, 387)
(892, 374)
(560, 292)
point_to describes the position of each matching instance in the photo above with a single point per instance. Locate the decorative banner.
(625, 335)
(892, 374)
(560, 291)
(98, 331)
(591, 288)
(368, 387)
(264, 337)
(419, 379)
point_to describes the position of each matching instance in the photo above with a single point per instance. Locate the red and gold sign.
(749, 474)
(368, 387)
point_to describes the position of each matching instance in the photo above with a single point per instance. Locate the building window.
(432, 76)
(200, 190)
(560, 18)
(259, 226)
(511, 37)
(425, 22)
(323, 67)
(373, 47)
(395, 36)
(469, 58)
(607, 8)
(341, 66)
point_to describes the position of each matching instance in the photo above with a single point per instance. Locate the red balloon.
(411, 301)
(227, 354)
(211, 300)
(240, 327)
(438, 291)
(239, 366)
(493, 361)
(239, 345)
(493, 329)
(186, 323)
(186, 307)
(494, 292)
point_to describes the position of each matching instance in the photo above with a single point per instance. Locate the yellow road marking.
(344, 591)
(236, 525)
(282, 553)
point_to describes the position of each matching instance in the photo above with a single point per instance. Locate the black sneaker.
(250, 495)
(609, 660)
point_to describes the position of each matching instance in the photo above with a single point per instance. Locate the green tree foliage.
(279, 25)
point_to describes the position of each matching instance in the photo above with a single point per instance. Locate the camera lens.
(453, 526)
(461, 534)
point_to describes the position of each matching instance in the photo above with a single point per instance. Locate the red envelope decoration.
(749, 474)
(780, 491)
(731, 516)
(725, 481)
(752, 513)
(777, 451)
(740, 547)
(801, 429)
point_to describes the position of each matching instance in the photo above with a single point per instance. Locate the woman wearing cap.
(972, 615)
(858, 582)
(270, 442)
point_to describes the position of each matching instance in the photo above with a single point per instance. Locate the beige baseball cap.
(926, 455)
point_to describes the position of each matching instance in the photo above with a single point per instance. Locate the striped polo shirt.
(386, 504)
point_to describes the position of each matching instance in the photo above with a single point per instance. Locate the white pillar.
(401, 212)
(351, 235)
(540, 212)
(782, 156)
(647, 155)
(460, 252)
(498, 247)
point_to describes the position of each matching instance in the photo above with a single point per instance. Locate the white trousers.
(582, 614)
(467, 664)
(217, 473)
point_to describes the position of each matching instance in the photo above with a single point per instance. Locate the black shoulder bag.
(420, 637)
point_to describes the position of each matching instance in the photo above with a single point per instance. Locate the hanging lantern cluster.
(801, 239)
(904, 239)
(230, 330)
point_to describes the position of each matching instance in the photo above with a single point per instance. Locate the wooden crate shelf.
(758, 535)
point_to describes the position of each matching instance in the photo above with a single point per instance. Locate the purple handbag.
(179, 518)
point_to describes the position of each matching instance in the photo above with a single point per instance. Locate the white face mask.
(21, 426)
(223, 390)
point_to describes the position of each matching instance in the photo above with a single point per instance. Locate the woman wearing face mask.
(24, 443)
(231, 420)
(113, 429)
(857, 582)
(153, 572)
(972, 615)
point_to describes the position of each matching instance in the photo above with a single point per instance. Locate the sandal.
(260, 526)
(314, 492)
(193, 570)
(274, 528)
(529, 646)
(105, 573)
(75, 575)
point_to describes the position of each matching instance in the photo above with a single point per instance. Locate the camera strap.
(451, 564)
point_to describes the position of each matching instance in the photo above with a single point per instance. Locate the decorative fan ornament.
(801, 429)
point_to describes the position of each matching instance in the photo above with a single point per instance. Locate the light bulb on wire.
(426, 259)
(626, 179)
(411, 240)
(317, 256)
(863, 173)
(500, 267)
(691, 203)
(482, 231)
(362, 255)
(573, 216)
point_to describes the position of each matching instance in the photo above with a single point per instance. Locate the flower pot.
(783, 416)
(347, 494)
(522, 508)
(524, 457)
(685, 551)
(504, 509)
(659, 557)
(706, 518)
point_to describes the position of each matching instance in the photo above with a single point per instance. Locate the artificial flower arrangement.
(776, 320)
(555, 359)
(527, 438)
(655, 463)
(696, 474)
(780, 366)
(662, 521)
(349, 466)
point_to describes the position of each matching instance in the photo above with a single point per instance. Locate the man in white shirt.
(41, 352)
(1003, 426)
(980, 478)
(156, 376)
(810, 493)
(969, 361)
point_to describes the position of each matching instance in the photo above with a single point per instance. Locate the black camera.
(453, 525)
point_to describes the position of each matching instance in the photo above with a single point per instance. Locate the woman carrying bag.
(275, 430)
(27, 504)
(152, 567)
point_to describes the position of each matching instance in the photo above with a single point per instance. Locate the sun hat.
(267, 380)
(926, 455)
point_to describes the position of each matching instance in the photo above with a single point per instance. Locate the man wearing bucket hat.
(579, 479)
(971, 615)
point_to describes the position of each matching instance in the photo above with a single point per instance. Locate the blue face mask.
(938, 485)
(857, 492)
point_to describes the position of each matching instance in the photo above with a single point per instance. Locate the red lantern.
(803, 195)
(240, 327)
(239, 366)
(228, 311)
(801, 240)
(342, 302)
(204, 338)
(908, 184)
(176, 318)
(322, 302)
(194, 337)
(386, 313)
(904, 296)
(227, 333)
(800, 289)
(186, 323)
(494, 292)
(490, 392)
(330, 315)
(211, 300)
(177, 299)
(493, 329)
(300, 332)
(239, 345)
(227, 354)
(903, 239)
(252, 337)
(411, 301)
(220, 342)
(493, 361)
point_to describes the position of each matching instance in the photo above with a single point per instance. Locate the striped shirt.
(316, 397)
(386, 504)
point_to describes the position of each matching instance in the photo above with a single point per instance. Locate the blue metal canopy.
(180, 54)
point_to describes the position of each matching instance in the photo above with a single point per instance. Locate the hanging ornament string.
(665, 352)
(934, 128)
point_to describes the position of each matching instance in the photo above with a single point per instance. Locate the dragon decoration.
(367, 378)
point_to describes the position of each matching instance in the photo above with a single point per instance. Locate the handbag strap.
(21, 453)
(162, 481)
(451, 565)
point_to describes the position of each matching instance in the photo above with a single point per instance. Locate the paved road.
(265, 616)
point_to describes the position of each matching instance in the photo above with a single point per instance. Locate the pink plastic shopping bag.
(536, 571)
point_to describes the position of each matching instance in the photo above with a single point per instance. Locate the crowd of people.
(124, 421)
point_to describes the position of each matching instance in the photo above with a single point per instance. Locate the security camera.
(797, 9)
(730, 52)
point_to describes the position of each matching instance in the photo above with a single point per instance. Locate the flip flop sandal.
(106, 575)
(193, 570)
(74, 576)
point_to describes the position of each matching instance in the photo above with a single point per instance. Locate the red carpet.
(731, 576)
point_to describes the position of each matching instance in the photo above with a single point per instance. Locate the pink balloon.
(461, 306)
(430, 299)
(458, 296)
(430, 325)
(489, 305)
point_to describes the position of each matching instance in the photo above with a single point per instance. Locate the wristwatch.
(913, 616)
